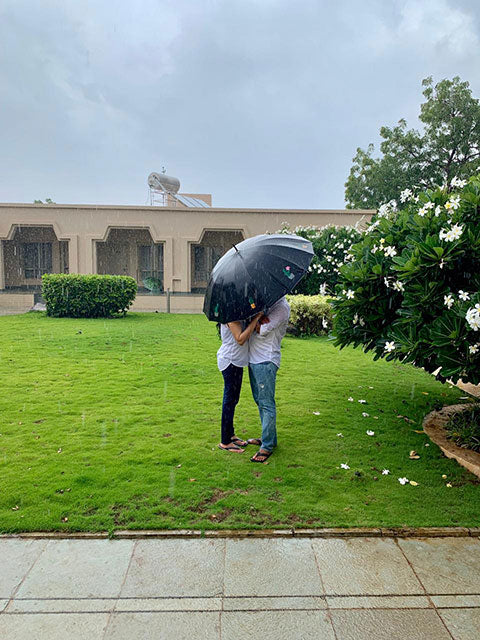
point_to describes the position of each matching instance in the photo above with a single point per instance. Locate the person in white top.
(231, 358)
(264, 361)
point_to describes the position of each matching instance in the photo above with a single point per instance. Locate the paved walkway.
(273, 589)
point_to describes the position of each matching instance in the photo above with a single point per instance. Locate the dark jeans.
(232, 377)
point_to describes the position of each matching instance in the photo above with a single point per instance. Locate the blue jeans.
(262, 380)
(232, 377)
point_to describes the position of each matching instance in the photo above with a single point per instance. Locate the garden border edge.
(360, 532)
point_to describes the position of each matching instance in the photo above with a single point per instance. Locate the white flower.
(451, 234)
(473, 317)
(324, 323)
(390, 251)
(344, 465)
(438, 210)
(385, 472)
(365, 414)
(448, 301)
(398, 286)
(386, 282)
(405, 195)
(316, 413)
(463, 295)
(323, 289)
(340, 435)
(442, 264)
(370, 433)
(389, 346)
(403, 480)
(350, 294)
(350, 399)
(361, 322)
(422, 211)
(457, 182)
(362, 401)
(474, 348)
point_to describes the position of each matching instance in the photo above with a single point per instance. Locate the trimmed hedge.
(310, 315)
(87, 296)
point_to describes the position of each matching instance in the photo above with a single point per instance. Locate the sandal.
(238, 441)
(263, 454)
(255, 441)
(231, 447)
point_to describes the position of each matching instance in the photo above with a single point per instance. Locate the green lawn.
(114, 424)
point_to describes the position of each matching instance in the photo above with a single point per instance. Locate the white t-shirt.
(231, 352)
(265, 346)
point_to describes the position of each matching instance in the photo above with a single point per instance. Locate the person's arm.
(242, 336)
(277, 316)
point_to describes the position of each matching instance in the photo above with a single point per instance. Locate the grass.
(113, 424)
(464, 428)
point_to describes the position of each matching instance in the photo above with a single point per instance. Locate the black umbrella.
(254, 274)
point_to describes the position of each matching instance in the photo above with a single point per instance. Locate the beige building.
(173, 246)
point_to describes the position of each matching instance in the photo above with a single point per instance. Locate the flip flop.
(265, 455)
(233, 449)
(256, 441)
(239, 442)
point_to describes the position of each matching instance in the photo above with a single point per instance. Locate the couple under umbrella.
(246, 297)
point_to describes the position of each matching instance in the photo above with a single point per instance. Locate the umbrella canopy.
(254, 274)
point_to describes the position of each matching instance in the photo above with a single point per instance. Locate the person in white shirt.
(231, 358)
(263, 363)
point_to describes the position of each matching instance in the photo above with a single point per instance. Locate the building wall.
(83, 226)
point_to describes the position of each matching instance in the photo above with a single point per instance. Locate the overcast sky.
(260, 102)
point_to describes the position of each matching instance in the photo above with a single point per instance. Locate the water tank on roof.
(161, 182)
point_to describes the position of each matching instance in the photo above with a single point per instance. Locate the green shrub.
(464, 428)
(310, 315)
(412, 292)
(87, 296)
(331, 246)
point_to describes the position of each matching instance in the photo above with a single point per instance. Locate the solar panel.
(189, 201)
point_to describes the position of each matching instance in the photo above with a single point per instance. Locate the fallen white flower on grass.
(370, 433)
(385, 472)
(350, 399)
(344, 465)
(340, 435)
(362, 401)
(403, 480)
(365, 414)
(413, 483)
(316, 413)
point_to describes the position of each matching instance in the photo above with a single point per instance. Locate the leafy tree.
(449, 146)
(412, 291)
(331, 246)
(47, 201)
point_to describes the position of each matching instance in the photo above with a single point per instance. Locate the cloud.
(261, 103)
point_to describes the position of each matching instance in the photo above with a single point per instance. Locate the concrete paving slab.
(277, 625)
(274, 567)
(176, 568)
(17, 556)
(78, 568)
(274, 603)
(62, 605)
(364, 566)
(456, 601)
(169, 604)
(400, 624)
(463, 624)
(71, 626)
(164, 626)
(449, 565)
(378, 602)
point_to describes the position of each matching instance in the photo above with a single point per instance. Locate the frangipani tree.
(411, 291)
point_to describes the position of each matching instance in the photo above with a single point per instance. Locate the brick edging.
(360, 532)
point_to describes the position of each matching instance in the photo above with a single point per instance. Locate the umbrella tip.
(235, 247)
